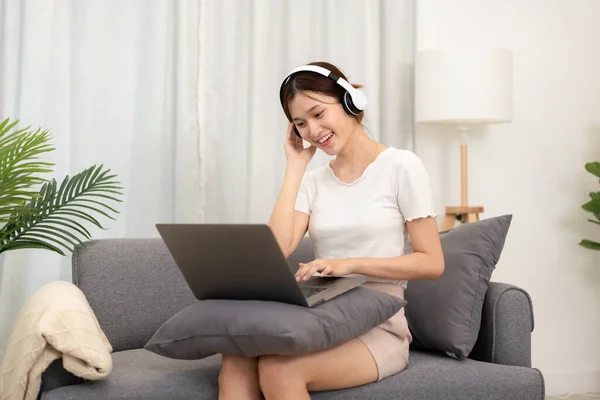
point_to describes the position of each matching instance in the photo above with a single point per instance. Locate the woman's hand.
(294, 150)
(326, 266)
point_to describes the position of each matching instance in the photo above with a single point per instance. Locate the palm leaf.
(51, 218)
(24, 244)
(19, 153)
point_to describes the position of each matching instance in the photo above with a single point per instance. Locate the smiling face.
(322, 121)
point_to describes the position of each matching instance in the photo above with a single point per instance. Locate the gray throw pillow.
(250, 328)
(304, 253)
(446, 314)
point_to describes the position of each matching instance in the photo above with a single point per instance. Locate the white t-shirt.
(366, 218)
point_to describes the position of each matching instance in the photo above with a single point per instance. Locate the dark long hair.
(312, 82)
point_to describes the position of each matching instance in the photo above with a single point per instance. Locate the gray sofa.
(133, 286)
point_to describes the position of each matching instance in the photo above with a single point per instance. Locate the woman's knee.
(278, 373)
(238, 369)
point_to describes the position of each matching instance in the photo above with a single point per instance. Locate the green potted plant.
(592, 206)
(38, 213)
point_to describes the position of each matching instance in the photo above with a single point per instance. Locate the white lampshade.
(462, 86)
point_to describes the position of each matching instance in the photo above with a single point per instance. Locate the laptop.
(244, 262)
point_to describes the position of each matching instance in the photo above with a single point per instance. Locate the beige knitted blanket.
(56, 322)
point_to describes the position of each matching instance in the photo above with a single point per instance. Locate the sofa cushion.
(446, 314)
(250, 328)
(140, 374)
(133, 286)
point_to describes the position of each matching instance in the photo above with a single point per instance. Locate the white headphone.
(353, 100)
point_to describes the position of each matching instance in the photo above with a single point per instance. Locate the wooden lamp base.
(464, 213)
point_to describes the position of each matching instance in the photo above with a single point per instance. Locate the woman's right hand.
(294, 149)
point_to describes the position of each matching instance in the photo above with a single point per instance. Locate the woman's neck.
(360, 150)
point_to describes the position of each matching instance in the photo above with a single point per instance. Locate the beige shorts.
(389, 342)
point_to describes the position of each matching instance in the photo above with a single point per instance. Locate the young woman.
(359, 211)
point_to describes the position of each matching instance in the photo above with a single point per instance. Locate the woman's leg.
(291, 377)
(238, 379)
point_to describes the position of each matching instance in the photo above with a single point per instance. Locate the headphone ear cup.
(349, 105)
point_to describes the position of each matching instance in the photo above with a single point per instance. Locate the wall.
(533, 167)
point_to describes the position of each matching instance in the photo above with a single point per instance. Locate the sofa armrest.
(506, 325)
(56, 376)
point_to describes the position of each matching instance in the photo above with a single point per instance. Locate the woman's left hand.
(326, 266)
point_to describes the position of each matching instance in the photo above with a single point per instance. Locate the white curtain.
(116, 83)
(180, 100)
(247, 47)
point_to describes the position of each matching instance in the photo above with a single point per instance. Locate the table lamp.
(463, 87)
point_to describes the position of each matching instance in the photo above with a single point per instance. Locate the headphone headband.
(357, 97)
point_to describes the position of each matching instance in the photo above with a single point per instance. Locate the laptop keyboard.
(308, 291)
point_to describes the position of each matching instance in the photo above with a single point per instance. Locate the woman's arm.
(287, 224)
(426, 261)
